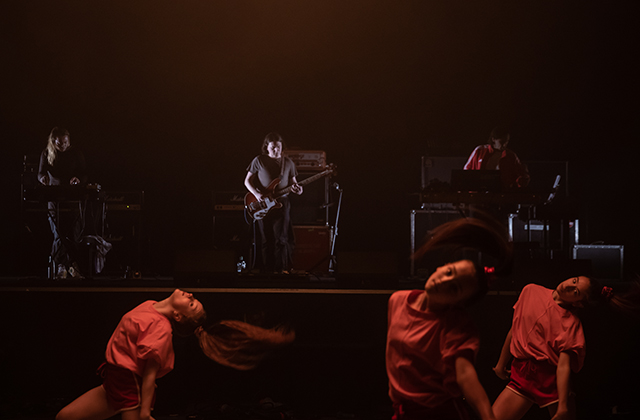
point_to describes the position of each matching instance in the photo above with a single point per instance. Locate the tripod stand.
(334, 230)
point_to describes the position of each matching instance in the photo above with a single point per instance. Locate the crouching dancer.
(141, 350)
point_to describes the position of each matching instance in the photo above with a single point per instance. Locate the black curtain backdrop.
(174, 98)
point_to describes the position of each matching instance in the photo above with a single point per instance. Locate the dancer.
(431, 340)
(141, 350)
(547, 343)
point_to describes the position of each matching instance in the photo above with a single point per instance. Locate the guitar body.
(259, 209)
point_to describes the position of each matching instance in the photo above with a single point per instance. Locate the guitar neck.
(287, 190)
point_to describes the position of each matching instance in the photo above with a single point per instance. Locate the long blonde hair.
(52, 152)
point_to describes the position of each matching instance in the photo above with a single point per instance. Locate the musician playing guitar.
(275, 228)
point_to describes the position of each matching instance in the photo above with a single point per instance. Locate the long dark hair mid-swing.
(623, 299)
(485, 235)
(235, 344)
(239, 345)
(482, 238)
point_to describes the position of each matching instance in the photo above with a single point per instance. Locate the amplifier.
(308, 160)
(313, 248)
(123, 229)
(422, 222)
(607, 261)
(310, 208)
(228, 201)
(554, 234)
(124, 200)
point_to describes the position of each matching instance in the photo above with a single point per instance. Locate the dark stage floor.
(334, 370)
(321, 376)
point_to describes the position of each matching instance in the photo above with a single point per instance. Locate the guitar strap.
(282, 166)
(282, 158)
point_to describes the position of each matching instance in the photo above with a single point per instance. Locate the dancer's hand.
(502, 372)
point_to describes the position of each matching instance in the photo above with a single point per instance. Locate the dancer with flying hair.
(141, 350)
(432, 342)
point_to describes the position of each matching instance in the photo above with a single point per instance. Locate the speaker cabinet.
(232, 232)
(422, 222)
(313, 248)
(35, 242)
(554, 234)
(123, 229)
(607, 261)
(310, 208)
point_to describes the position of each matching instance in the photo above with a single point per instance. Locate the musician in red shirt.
(496, 156)
(276, 229)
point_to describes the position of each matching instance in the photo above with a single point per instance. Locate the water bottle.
(242, 265)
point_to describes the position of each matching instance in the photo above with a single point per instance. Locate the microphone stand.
(334, 233)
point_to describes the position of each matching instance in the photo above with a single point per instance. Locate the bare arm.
(148, 388)
(502, 367)
(473, 391)
(250, 187)
(563, 376)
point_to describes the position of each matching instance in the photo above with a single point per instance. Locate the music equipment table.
(61, 193)
(491, 198)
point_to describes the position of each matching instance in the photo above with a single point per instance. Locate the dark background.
(174, 98)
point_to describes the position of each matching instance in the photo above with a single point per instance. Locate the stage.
(334, 369)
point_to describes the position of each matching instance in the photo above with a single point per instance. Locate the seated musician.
(61, 164)
(276, 229)
(496, 156)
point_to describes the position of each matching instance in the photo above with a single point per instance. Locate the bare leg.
(92, 405)
(553, 408)
(132, 414)
(510, 406)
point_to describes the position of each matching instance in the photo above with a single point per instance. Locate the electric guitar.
(258, 209)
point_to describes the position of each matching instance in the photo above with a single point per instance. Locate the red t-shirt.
(542, 329)
(422, 348)
(143, 333)
(511, 168)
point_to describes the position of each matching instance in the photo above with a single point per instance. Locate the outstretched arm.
(502, 367)
(467, 379)
(148, 388)
(563, 377)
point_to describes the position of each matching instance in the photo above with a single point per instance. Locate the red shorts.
(534, 380)
(122, 386)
